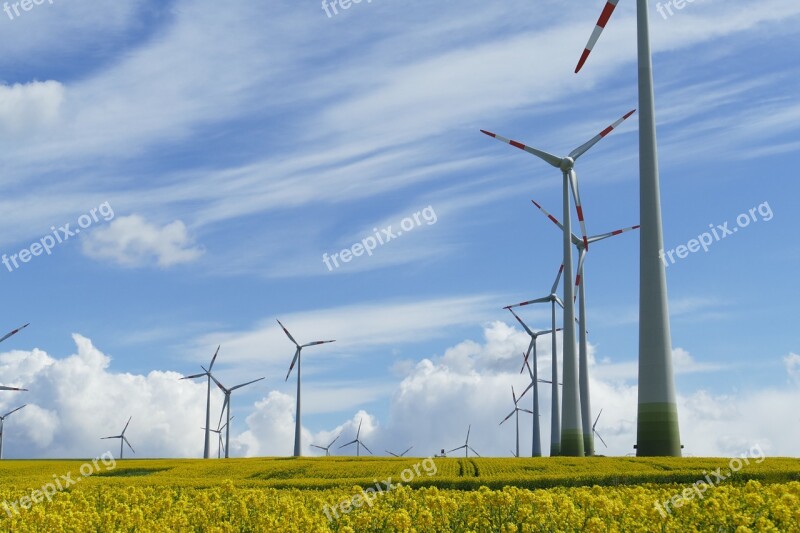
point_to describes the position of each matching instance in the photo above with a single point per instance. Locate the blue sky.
(237, 144)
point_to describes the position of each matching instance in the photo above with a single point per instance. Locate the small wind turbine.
(2, 423)
(207, 375)
(466, 447)
(536, 444)
(328, 447)
(399, 454)
(595, 432)
(583, 345)
(4, 337)
(122, 439)
(357, 442)
(555, 412)
(572, 426)
(296, 359)
(218, 431)
(516, 411)
(227, 404)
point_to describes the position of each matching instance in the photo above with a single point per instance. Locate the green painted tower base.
(555, 450)
(657, 433)
(572, 443)
(588, 445)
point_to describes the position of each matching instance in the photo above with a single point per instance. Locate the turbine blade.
(222, 413)
(582, 149)
(611, 234)
(246, 384)
(598, 30)
(316, 343)
(287, 333)
(561, 303)
(129, 444)
(126, 425)
(573, 181)
(195, 376)
(407, 450)
(509, 416)
(315, 446)
(548, 158)
(214, 358)
(553, 219)
(359, 428)
(597, 419)
(392, 454)
(473, 451)
(11, 334)
(334, 440)
(456, 449)
(527, 411)
(529, 387)
(558, 279)
(529, 302)
(12, 412)
(525, 327)
(365, 447)
(579, 275)
(601, 439)
(2, 387)
(221, 387)
(291, 367)
(468, 430)
(525, 356)
(348, 444)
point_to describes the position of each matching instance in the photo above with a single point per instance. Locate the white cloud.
(132, 242)
(792, 362)
(29, 107)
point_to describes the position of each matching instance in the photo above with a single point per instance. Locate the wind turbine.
(207, 374)
(536, 444)
(122, 439)
(357, 442)
(657, 429)
(555, 413)
(328, 447)
(218, 431)
(399, 454)
(571, 427)
(2, 423)
(595, 432)
(4, 337)
(583, 347)
(296, 359)
(516, 411)
(227, 404)
(466, 447)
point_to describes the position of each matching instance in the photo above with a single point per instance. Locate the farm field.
(349, 494)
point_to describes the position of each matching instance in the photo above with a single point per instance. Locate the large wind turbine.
(2, 423)
(536, 444)
(357, 442)
(466, 447)
(207, 375)
(555, 411)
(657, 431)
(583, 348)
(122, 439)
(571, 427)
(227, 404)
(296, 359)
(516, 411)
(328, 447)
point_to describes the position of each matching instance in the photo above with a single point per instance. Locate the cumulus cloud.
(132, 241)
(29, 106)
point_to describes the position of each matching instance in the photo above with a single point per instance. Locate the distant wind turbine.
(466, 447)
(296, 359)
(227, 404)
(122, 439)
(328, 447)
(399, 454)
(2, 424)
(218, 431)
(516, 411)
(4, 337)
(207, 375)
(595, 432)
(357, 442)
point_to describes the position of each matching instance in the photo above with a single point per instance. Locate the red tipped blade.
(582, 149)
(608, 10)
(548, 158)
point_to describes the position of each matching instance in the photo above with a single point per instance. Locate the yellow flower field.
(252, 495)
